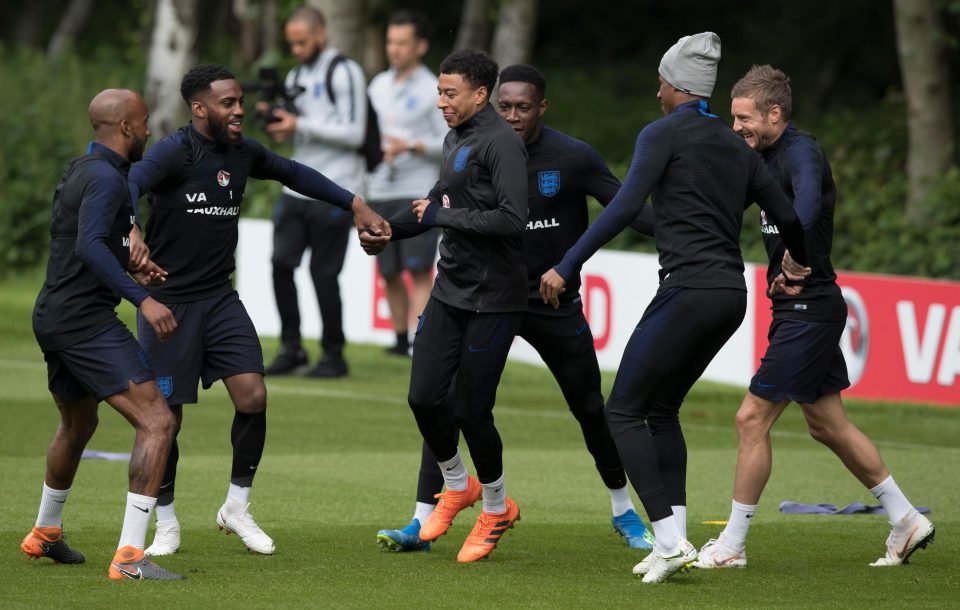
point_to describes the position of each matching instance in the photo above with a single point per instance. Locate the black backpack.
(370, 148)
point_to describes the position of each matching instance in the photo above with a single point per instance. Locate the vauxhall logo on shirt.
(766, 227)
(223, 179)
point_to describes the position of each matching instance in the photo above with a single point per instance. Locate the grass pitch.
(341, 462)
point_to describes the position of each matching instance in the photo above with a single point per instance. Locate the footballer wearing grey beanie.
(690, 65)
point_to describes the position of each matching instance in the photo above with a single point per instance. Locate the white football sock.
(892, 499)
(165, 513)
(239, 494)
(135, 520)
(735, 534)
(454, 473)
(680, 514)
(668, 536)
(422, 511)
(620, 500)
(51, 507)
(495, 497)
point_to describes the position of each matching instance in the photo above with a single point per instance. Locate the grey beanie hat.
(691, 64)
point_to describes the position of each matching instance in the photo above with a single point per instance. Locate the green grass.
(341, 463)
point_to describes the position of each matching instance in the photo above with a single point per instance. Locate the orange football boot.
(451, 503)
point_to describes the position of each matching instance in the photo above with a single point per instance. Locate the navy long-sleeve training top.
(702, 176)
(799, 166)
(561, 173)
(89, 251)
(480, 201)
(196, 190)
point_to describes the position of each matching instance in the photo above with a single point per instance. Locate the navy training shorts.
(215, 338)
(414, 254)
(101, 365)
(803, 362)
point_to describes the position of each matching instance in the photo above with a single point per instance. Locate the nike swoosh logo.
(474, 350)
(146, 510)
(903, 551)
(723, 562)
(59, 501)
(253, 468)
(581, 329)
(166, 485)
(497, 490)
(750, 516)
(134, 575)
(451, 468)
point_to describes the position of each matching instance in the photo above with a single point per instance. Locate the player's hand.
(793, 270)
(373, 244)
(283, 129)
(393, 146)
(150, 273)
(551, 287)
(418, 207)
(779, 286)
(139, 252)
(159, 317)
(367, 220)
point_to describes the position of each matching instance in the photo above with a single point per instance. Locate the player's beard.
(136, 151)
(219, 131)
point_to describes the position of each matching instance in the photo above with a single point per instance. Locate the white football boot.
(912, 532)
(166, 540)
(234, 518)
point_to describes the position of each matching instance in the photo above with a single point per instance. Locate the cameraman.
(326, 135)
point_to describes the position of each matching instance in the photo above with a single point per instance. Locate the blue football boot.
(406, 539)
(631, 527)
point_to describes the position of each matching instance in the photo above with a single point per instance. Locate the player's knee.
(587, 406)
(253, 401)
(750, 422)
(664, 419)
(79, 432)
(424, 401)
(821, 433)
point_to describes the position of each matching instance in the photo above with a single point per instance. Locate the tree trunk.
(268, 27)
(513, 38)
(474, 31)
(346, 25)
(72, 23)
(246, 14)
(29, 24)
(171, 55)
(926, 85)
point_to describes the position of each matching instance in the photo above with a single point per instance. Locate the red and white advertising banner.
(902, 340)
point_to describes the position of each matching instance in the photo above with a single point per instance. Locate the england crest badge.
(549, 182)
(460, 161)
(166, 386)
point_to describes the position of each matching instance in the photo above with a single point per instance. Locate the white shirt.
(407, 109)
(328, 137)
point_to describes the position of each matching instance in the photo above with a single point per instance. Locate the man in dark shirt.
(475, 307)
(561, 173)
(196, 179)
(805, 331)
(90, 354)
(702, 176)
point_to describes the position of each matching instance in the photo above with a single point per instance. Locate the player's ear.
(544, 103)
(198, 109)
(125, 128)
(775, 114)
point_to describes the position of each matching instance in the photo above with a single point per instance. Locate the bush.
(43, 116)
